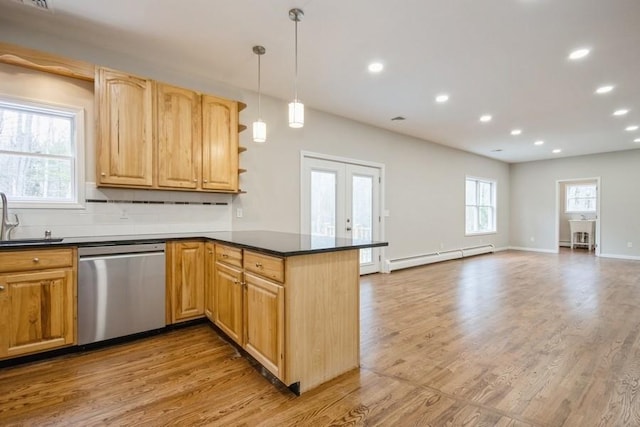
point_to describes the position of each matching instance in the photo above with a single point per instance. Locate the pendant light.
(296, 108)
(259, 127)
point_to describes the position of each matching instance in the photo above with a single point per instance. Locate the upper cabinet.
(125, 129)
(219, 144)
(179, 130)
(154, 135)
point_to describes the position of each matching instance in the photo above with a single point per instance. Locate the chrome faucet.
(5, 226)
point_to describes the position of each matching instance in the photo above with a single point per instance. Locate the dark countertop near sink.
(270, 242)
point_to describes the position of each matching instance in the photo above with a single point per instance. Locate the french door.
(341, 199)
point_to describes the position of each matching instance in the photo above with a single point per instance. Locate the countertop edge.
(203, 237)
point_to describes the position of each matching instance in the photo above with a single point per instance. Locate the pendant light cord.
(259, 91)
(295, 80)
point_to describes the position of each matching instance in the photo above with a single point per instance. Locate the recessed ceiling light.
(442, 98)
(604, 89)
(540, 142)
(632, 128)
(579, 54)
(375, 67)
(516, 132)
(486, 118)
(636, 140)
(620, 112)
(556, 151)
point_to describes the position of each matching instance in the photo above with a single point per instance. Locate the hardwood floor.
(508, 339)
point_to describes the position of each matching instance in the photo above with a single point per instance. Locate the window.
(581, 198)
(40, 154)
(480, 201)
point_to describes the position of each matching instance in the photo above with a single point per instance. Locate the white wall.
(424, 181)
(533, 200)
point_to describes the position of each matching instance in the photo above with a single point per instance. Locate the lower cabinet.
(264, 308)
(185, 280)
(249, 306)
(229, 302)
(37, 301)
(209, 281)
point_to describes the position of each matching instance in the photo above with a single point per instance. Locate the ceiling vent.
(398, 119)
(37, 4)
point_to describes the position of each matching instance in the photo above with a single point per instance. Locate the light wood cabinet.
(264, 322)
(124, 109)
(219, 144)
(155, 135)
(250, 304)
(37, 301)
(229, 302)
(179, 136)
(185, 280)
(210, 281)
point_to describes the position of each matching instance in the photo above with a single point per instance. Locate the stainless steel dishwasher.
(121, 290)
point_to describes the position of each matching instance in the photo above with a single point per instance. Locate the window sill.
(480, 233)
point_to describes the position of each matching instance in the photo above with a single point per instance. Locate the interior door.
(341, 199)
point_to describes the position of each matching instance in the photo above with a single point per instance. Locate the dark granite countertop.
(270, 242)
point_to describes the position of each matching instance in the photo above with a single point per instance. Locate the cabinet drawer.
(264, 265)
(35, 259)
(229, 255)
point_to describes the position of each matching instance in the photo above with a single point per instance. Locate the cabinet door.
(229, 293)
(264, 307)
(187, 280)
(37, 311)
(125, 132)
(219, 144)
(209, 281)
(179, 137)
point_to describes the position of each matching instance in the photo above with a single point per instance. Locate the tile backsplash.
(110, 211)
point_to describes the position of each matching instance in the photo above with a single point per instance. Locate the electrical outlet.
(533, 239)
(239, 213)
(123, 214)
(629, 244)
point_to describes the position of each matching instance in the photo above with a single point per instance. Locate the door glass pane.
(363, 213)
(323, 203)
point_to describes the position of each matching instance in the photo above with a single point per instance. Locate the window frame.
(77, 114)
(494, 204)
(566, 199)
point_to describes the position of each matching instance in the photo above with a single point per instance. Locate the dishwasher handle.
(115, 250)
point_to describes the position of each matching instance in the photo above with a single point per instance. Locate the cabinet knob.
(36, 259)
(258, 264)
(103, 174)
(210, 252)
(225, 256)
(195, 179)
(1, 287)
(205, 181)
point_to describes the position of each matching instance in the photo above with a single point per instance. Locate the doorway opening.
(343, 198)
(578, 214)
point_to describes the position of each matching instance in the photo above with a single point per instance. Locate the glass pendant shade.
(259, 131)
(296, 114)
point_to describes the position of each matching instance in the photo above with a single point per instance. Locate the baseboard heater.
(414, 261)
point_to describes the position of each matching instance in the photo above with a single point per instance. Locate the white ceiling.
(507, 58)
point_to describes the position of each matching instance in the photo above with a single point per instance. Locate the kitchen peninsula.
(291, 301)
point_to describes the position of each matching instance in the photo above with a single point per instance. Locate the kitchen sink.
(37, 241)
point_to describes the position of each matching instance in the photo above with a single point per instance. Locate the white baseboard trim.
(419, 260)
(504, 248)
(545, 251)
(616, 256)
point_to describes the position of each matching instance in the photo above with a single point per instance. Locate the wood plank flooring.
(507, 339)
